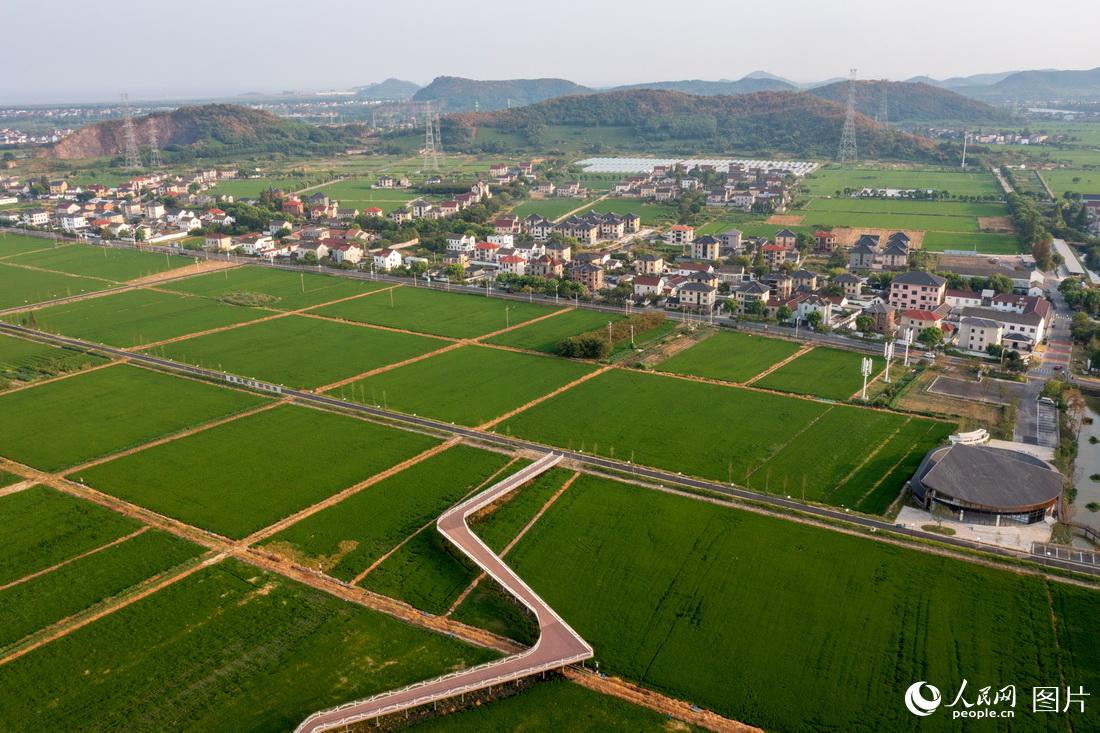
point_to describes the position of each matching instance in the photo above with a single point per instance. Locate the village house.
(546, 266)
(561, 250)
(703, 248)
(460, 242)
(350, 252)
(588, 275)
(681, 234)
(825, 241)
(804, 280)
(852, 284)
(512, 264)
(386, 259)
(977, 334)
(649, 286)
(697, 295)
(730, 241)
(218, 242)
(751, 292)
(917, 290)
(649, 264)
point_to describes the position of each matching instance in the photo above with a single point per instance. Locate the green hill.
(454, 94)
(910, 101)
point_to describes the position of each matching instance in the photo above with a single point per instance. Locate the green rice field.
(269, 652)
(283, 289)
(13, 244)
(731, 356)
(39, 602)
(345, 539)
(685, 586)
(136, 317)
(298, 351)
(830, 179)
(43, 527)
(551, 208)
(255, 470)
(436, 312)
(20, 286)
(117, 265)
(486, 383)
(822, 372)
(105, 411)
(766, 441)
(545, 335)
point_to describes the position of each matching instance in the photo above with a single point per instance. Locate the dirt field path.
(341, 495)
(199, 268)
(74, 558)
(543, 398)
(146, 588)
(620, 688)
(780, 364)
(16, 487)
(582, 207)
(521, 325)
(388, 367)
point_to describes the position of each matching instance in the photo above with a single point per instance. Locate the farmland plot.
(281, 289)
(731, 356)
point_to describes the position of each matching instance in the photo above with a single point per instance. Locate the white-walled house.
(387, 259)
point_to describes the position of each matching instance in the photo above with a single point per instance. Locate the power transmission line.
(154, 149)
(129, 137)
(882, 117)
(847, 152)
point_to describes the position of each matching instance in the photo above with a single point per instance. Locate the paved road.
(657, 476)
(557, 646)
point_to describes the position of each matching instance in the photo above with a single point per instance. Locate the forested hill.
(205, 130)
(910, 101)
(771, 123)
(703, 87)
(454, 94)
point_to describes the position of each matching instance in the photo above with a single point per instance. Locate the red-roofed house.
(681, 234)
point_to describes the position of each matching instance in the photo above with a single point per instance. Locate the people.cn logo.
(917, 703)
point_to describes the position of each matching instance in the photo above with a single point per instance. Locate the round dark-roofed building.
(984, 485)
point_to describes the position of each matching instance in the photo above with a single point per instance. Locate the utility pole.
(882, 117)
(966, 138)
(888, 352)
(865, 370)
(154, 149)
(908, 341)
(847, 152)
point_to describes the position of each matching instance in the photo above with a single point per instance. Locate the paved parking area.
(997, 391)
(1046, 425)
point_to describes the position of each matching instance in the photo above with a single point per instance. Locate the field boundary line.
(202, 427)
(339, 496)
(74, 558)
(378, 327)
(387, 367)
(871, 455)
(275, 314)
(657, 702)
(506, 329)
(356, 580)
(582, 207)
(543, 398)
(882, 478)
(790, 440)
(142, 590)
(59, 377)
(33, 251)
(36, 268)
(515, 540)
(806, 348)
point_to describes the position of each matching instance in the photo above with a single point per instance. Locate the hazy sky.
(80, 51)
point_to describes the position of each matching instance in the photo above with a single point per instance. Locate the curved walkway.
(558, 645)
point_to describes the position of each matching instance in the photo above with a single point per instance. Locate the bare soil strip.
(16, 487)
(36, 268)
(679, 709)
(1003, 224)
(199, 268)
(789, 220)
(74, 558)
(543, 398)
